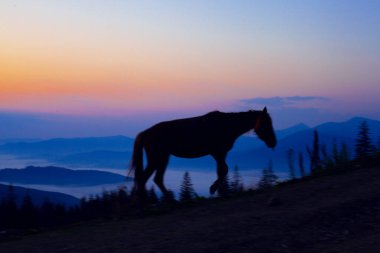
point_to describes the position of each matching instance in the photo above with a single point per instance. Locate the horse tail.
(137, 157)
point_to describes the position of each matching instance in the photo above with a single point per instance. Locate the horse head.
(264, 129)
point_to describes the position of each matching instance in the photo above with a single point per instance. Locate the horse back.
(190, 137)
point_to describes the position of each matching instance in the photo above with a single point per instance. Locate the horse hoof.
(213, 189)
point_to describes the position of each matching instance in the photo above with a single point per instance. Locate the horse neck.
(243, 122)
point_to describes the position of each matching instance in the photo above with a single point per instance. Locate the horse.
(211, 134)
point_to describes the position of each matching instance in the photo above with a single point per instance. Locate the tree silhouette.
(28, 213)
(314, 154)
(376, 155)
(122, 197)
(290, 155)
(168, 197)
(8, 210)
(187, 192)
(237, 182)
(268, 178)
(301, 164)
(224, 189)
(47, 213)
(327, 161)
(341, 157)
(363, 146)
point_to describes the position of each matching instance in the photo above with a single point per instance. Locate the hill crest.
(333, 213)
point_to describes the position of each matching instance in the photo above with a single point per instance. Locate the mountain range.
(329, 133)
(59, 176)
(248, 152)
(65, 146)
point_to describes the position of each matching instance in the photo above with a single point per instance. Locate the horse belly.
(189, 154)
(189, 149)
(183, 138)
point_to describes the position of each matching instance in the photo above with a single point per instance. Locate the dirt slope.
(339, 213)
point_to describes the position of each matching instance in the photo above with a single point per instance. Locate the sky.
(144, 61)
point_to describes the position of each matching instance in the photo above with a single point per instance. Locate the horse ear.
(265, 109)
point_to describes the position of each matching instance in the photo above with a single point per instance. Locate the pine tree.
(28, 213)
(187, 192)
(301, 165)
(121, 202)
(344, 155)
(363, 146)
(10, 208)
(376, 156)
(315, 160)
(47, 213)
(224, 189)
(237, 182)
(341, 157)
(335, 153)
(122, 195)
(168, 198)
(290, 155)
(268, 179)
(327, 161)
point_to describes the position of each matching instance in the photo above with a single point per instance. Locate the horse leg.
(159, 177)
(222, 170)
(145, 177)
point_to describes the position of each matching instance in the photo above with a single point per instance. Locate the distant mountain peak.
(351, 123)
(299, 126)
(360, 119)
(292, 130)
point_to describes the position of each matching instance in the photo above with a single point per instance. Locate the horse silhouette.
(211, 134)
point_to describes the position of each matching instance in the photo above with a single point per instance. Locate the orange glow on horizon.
(132, 55)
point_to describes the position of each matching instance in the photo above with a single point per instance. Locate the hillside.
(38, 196)
(336, 213)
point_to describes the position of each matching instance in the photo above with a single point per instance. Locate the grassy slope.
(338, 213)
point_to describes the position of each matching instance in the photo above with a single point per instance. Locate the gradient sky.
(308, 61)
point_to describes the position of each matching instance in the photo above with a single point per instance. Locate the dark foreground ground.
(338, 213)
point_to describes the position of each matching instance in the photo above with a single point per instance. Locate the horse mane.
(214, 113)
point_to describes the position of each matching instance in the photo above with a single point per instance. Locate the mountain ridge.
(52, 175)
(248, 152)
(68, 145)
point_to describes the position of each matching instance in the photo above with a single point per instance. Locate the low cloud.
(292, 101)
(291, 110)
